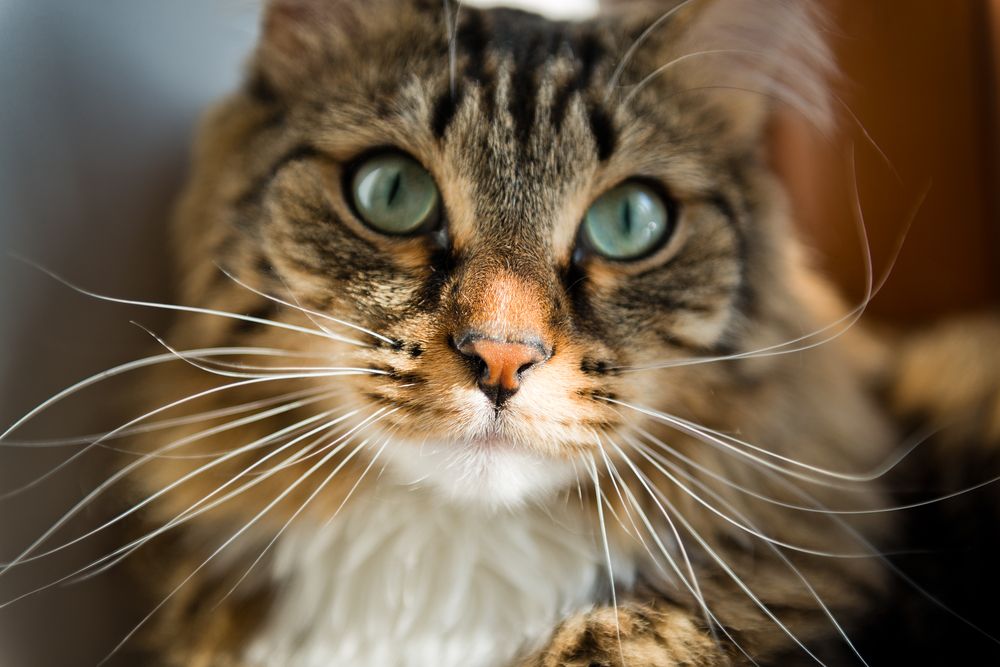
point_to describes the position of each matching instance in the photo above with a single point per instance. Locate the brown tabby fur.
(520, 144)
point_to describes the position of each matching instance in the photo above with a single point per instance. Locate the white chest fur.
(405, 580)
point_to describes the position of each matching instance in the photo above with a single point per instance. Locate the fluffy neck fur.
(404, 578)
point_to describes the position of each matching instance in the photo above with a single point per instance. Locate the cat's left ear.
(298, 35)
(754, 56)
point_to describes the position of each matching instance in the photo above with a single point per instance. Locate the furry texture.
(672, 443)
(404, 579)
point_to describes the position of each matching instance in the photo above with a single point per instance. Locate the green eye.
(394, 194)
(628, 222)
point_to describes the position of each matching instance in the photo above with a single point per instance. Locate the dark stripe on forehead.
(529, 41)
(587, 54)
(472, 41)
(605, 136)
(445, 109)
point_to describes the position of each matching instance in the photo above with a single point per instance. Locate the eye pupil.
(394, 194)
(627, 217)
(628, 222)
(394, 189)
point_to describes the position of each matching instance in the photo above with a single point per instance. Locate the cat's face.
(519, 223)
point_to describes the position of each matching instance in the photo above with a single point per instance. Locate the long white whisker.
(128, 367)
(311, 313)
(732, 574)
(199, 507)
(69, 460)
(306, 503)
(801, 493)
(196, 310)
(733, 444)
(614, 477)
(772, 545)
(86, 500)
(693, 587)
(815, 510)
(170, 423)
(630, 53)
(196, 509)
(284, 494)
(372, 419)
(607, 552)
(655, 461)
(331, 372)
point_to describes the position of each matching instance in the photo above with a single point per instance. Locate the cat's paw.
(637, 636)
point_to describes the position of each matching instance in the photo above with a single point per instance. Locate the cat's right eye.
(628, 223)
(394, 194)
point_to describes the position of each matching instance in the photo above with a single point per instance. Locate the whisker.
(642, 449)
(201, 435)
(73, 511)
(733, 444)
(76, 456)
(607, 552)
(802, 508)
(613, 476)
(847, 321)
(372, 419)
(631, 51)
(168, 423)
(196, 310)
(128, 367)
(196, 509)
(801, 493)
(284, 494)
(305, 504)
(311, 313)
(332, 372)
(727, 569)
(772, 545)
(693, 586)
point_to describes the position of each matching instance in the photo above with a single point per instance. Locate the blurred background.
(96, 112)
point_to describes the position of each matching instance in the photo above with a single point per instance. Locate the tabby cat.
(508, 355)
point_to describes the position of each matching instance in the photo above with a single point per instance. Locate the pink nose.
(500, 363)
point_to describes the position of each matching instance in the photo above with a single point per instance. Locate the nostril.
(498, 363)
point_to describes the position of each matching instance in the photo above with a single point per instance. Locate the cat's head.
(519, 213)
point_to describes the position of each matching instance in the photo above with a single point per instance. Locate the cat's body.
(444, 523)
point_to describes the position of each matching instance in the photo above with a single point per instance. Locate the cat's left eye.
(394, 194)
(629, 222)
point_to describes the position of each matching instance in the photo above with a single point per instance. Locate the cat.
(509, 355)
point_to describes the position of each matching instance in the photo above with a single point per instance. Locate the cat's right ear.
(299, 35)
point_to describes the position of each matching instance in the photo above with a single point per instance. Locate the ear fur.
(298, 33)
(778, 49)
(774, 50)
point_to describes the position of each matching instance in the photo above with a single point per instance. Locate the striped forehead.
(525, 65)
(525, 115)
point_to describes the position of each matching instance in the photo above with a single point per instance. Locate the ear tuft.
(296, 33)
(776, 49)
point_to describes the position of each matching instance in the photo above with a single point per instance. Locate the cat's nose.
(500, 363)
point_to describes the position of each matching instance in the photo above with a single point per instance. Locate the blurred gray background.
(97, 103)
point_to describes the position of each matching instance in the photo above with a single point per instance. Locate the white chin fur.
(405, 578)
(490, 475)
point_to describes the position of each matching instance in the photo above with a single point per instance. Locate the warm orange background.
(922, 76)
